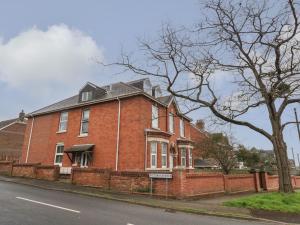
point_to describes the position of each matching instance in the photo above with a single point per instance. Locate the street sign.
(160, 175)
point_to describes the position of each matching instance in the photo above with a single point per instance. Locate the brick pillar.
(178, 182)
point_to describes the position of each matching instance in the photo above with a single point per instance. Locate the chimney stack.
(22, 116)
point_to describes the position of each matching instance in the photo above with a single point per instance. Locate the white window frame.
(86, 96)
(85, 121)
(190, 158)
(183, 157)
(171, 123)
(181, 128)
(59, 154)
(164, 155)
(153, 153)
(63, 120)
(155, 121)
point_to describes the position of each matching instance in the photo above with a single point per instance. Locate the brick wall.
(36, 171)
(45, 172)
(91, 177)
(240, 183)
(129, 181)
(6, 167)
(182, 185)
(11, 141)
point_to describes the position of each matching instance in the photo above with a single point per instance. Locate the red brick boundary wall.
(271, 182)
(35, 171)
(6, 168)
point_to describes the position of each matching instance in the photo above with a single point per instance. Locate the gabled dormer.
(143, 84)
(90, 92)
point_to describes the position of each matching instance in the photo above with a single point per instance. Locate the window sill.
(157, 169)
(155, 128)
(82, 135)
(61, 132)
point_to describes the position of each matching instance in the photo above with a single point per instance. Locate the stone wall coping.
(47, 166)
(26, 164)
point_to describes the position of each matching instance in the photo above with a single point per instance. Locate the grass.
(269, 201)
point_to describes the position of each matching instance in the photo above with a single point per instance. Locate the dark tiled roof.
(165, 99)
(6, 122)
(114, 90)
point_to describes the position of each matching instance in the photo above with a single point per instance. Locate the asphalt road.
(25, 205)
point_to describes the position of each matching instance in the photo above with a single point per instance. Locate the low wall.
(203, 184)
(296, 181)
(44, 172)
(91, 177)
(129, 181)
(6, 168)
(35, 171)
(24, 170)
(240, 183)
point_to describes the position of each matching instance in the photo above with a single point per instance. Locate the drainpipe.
(118, 134)
(29, 141)
(146, 150)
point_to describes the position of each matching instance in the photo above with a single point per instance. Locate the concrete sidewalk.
(208, 206)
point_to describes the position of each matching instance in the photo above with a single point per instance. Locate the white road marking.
(130, 224)
(42, 203)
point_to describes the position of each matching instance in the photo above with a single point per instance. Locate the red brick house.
(11, 137)
(122, 126)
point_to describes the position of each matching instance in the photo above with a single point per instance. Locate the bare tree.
(256, 44)
(218, 147)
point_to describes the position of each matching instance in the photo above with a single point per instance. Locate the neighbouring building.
(122, 126)
(11, 137)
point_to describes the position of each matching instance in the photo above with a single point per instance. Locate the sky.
(50, 49)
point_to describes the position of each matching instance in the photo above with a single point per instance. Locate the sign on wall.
(160, 175)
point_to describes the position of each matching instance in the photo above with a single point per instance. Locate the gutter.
(29, 141)
(118, 135)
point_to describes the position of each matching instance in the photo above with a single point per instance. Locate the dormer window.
(86, 96)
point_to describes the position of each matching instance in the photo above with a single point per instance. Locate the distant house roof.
(202, 163)
(113, 91)
(6, 123)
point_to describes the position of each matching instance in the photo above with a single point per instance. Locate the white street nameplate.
(161, 175)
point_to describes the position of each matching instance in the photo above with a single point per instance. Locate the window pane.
(153, 147)
(64, 116)
(60, 149)
(164, 148)
(164, 161)
(85, 127)
(63, 126)
(85, 114)
(153, 160)
(58, 159)
(171, 123)
(154, 116)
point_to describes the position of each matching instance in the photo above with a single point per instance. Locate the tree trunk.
(280, 149)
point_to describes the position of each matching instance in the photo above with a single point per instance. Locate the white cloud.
(45, 58)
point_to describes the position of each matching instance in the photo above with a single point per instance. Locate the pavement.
(29, 201)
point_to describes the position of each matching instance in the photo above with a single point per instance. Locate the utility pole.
(298, 160)
(297, 122)
(294, 158)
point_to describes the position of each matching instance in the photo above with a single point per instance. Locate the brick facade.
(135, 128)
(11, 141)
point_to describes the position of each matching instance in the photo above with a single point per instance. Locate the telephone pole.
(297, 123)
(294, 157)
